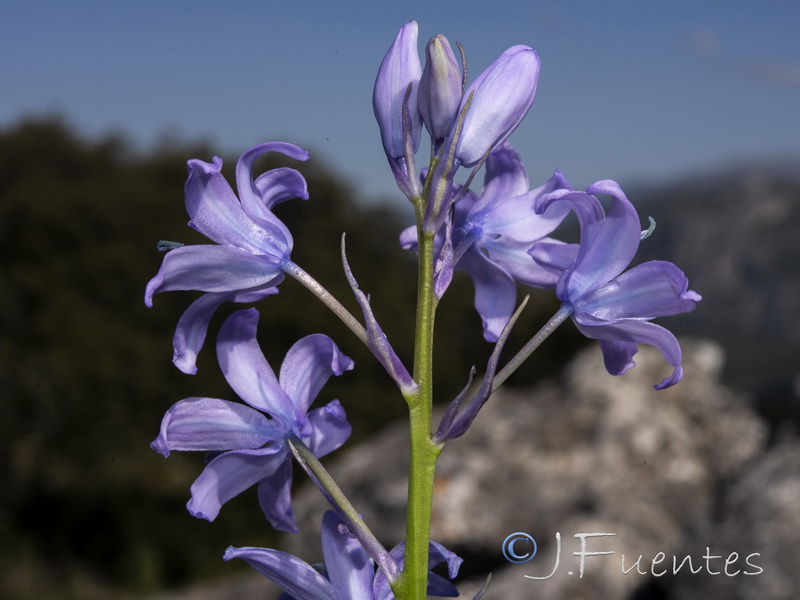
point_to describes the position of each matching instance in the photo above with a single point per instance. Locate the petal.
(514, 259)
(514, 218)
(193, 324)
(275, 497)
(618, 355)
(230, 474)
(495, 293)
(215, 211)
(437, 585)
(649, 290)
(330, 428)
(637, 332)
(438, 554)
(211, 424)
(279, 185)
(291, 574)
(349, 567)
(408, 238)
(251, 193)
(306, 368)
(246, 369)
(553, 255)
(612, 247)
(213, 269)
(505, 177)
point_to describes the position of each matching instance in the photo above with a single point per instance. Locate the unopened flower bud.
(501, 97)
(400, 68)
(439, 88)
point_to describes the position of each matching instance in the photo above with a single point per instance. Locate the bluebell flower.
(348, 572)
(253, 244)
(609, 305)
(253, 437)
(493, 232)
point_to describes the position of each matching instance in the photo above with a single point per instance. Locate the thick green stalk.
(412, 583)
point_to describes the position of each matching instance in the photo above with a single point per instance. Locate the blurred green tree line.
(87, 510)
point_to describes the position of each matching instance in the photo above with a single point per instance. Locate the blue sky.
(630, 90)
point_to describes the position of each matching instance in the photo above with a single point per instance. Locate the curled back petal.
(329, 428)
(212, 424)
(279, 185)
(652, 289)
(208, 268)
(229, 474)
(249, 192)
(214, 209)
(294, 576)
(275, 497)
(193, 324)
(612, 247)
(618, 355)
(309, 363)
(246, 369)
(637, 332)
(349, 567)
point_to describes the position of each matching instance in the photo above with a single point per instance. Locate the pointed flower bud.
(440, 88)
(501, 97)
(400, 68)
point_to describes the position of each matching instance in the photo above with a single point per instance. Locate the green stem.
(327, 299)
(564, 313)
(339, 502)
(413, 581)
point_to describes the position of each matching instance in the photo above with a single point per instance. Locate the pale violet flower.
(609, 305)
(251, 244)
(493, 232)
(252, 437)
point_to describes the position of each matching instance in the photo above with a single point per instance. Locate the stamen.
(649, 231)
(166, 245)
